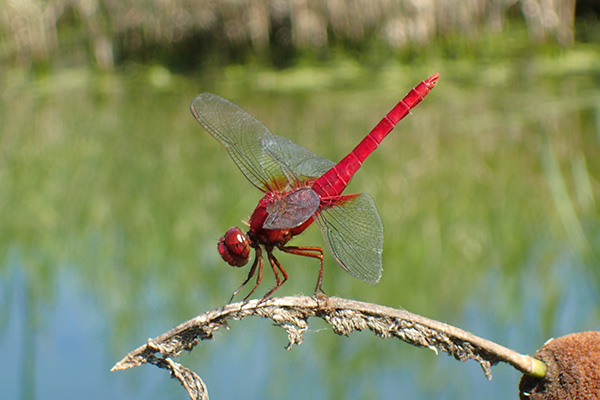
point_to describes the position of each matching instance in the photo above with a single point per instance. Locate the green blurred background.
(112, 197)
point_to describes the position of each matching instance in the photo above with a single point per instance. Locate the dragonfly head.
(234, 247)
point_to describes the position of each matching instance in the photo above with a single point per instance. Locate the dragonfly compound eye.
(234, 247)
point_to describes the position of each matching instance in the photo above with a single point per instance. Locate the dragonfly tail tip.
(432, 80)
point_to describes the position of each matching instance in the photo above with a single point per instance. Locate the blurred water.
(113, 198)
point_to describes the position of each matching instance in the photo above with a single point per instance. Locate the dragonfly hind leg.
(314, 252)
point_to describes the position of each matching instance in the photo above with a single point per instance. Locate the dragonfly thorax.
(234, 247)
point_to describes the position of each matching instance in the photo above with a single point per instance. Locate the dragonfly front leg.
(259, 276)
(258, 261)
(314, 252)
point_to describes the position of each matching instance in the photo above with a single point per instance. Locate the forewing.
(292, 210)
(353, 231)
(240, 133)
(298, 163)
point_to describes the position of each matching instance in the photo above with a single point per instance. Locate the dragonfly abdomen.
(334, 181)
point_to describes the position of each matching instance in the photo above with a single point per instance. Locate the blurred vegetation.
(479, 42)
(186, 34)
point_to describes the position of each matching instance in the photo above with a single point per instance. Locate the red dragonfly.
(300, 187)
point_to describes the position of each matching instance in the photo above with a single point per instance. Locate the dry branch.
(344, 316)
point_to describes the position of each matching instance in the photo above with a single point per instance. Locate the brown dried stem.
(344, 316)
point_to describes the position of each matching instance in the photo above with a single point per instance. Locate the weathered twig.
(344, 316)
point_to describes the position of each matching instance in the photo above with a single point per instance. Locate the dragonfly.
(300, 188)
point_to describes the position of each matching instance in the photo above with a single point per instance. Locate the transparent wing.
(292, 210)
(297, 164)
(353, 231)
(240, 133)
(300, 163)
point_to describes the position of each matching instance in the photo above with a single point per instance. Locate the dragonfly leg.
(275, 265)
(258, 279)
(257, 262)
(314, 252)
